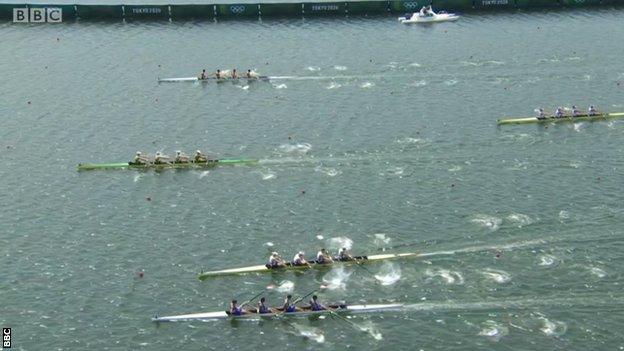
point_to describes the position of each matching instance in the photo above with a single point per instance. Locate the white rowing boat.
(434, 17)
(306, 312)
(313, 264)
(211, 79)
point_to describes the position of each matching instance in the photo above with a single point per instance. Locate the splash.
(520, 219)
(553, 328)
(563, 214)
(389, 274)
(300, 149)
(490, 222)
(337, 243)
(419, 83)
(498, 276)
(381, 239)
(493, 330)
(203, 174)
(450, 82)
(334, 85)
(268, 176)
(340, 68)
(285, 286)
(598, 272)
(313, 68)
(137, 177)
(547, 260)
(448, 276)
(280, 86)
(309, 333)
(332, 172)
(367, 85)
(336, 279)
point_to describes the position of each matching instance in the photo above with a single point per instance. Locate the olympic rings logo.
(237, 8)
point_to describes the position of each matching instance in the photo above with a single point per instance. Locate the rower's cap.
(199, 152)
(157, 153)
(301, 253)
(138, 152)
(178, 152)
(274, 253)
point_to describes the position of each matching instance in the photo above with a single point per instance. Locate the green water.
(377, 133)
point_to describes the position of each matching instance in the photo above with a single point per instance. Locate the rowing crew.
(222, 75)
(322, 257)
(160, 159)
(559, 112)
(289, 306)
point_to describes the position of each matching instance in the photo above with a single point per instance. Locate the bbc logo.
(38, 15)
(6, 338)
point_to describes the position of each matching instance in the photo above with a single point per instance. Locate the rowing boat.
(212, 79)
(553, 119)
(131, 165)
(313, 264)
(278, 312)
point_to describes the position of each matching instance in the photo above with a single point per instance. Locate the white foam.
(520, 219)
(493, 330)
(486, 221)
(449, 277)
(498, 276)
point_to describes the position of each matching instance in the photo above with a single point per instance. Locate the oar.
(253, 298)
(304, 296)
(331, 312)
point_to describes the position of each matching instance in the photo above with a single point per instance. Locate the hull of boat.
(313, 265)
(581, 118)
(225, 315)
(211, 79)
(129, 165)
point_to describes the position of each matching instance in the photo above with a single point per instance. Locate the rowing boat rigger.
(553, 119)
(313, 264)
(277, 312)
(132, 165)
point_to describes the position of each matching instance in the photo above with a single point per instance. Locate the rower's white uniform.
(323, 257)
(275, 260)
(299, 259)
(181, 157)
(423, 12)
(140, 158)
(592, 110)
(558, 112)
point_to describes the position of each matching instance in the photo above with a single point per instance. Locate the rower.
(299, 259)
(575, 111)
(203, 75)
(235, 309)
(234, 74)
(181, 157)
(199, 157)
(218, 74)
(139, 158)
(160, 159)
(559, 112)
(323, 258)
(344, 255)
(592, 111)
(315, 305)
(276, 261)
(289, 305)
(262, 307)
(541, 114)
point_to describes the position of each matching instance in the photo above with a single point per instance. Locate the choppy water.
(384, 134)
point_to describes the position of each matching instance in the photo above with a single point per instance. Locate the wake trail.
(485, 248)
(522, 303)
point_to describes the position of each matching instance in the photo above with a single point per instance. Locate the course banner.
(99, 11)
(537, 3)
(324, 8)
(62, 12)
(399, 6)
(452, 5)
(574, 3)
(494, 4)
(146, 11)
(367, 7)
(6, 11)
(237, 10)
(192, 11)
(278, 10)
